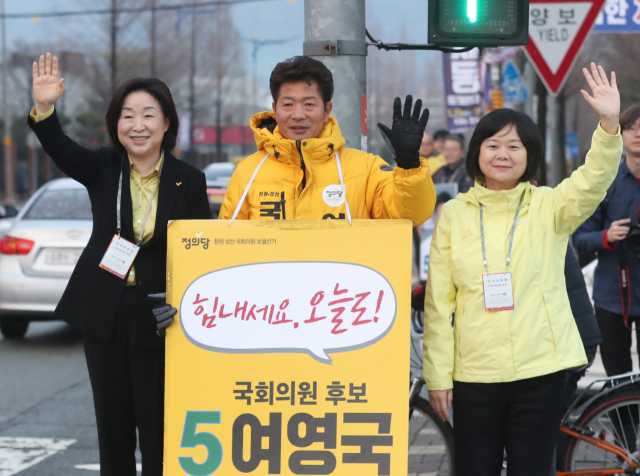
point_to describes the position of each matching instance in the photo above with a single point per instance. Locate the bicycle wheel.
(615, 419)
(430, 442)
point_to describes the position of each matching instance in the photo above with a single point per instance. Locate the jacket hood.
(270, 140)
(479, 194)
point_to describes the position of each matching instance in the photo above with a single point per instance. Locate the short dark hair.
(493, 123)
(454, 137)
(160, 91)
(302, 68)
(629, 116)
(440, 134)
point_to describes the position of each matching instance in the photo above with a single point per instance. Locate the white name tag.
(498, 292)
(119, 256)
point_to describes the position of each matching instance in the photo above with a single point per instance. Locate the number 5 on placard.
(191, 439)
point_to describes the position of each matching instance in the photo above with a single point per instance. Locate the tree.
(222, 60)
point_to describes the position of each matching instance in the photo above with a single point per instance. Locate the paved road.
(47, 424)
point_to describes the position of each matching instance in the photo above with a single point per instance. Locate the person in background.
(455, 170)
(426, 147)
(587, 323)
(136, 188)
(438, 140)
(435, 161)
(22, 180)
(617, 306)
(498, 253)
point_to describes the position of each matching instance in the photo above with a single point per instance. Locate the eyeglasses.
(631, 127)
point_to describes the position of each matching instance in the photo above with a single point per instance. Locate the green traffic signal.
(472, 10)
(478, 22)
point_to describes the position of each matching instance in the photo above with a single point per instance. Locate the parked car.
(218, 175)
(7, 217)
(38, 253)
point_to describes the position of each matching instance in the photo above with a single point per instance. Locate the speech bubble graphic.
(317, 308)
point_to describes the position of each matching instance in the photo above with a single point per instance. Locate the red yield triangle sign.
(557, 30)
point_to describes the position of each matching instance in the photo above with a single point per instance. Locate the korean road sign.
(290, 349)
(557, 30)
(512, 84)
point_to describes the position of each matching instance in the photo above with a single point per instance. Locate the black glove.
(405, 136)
(162, 311)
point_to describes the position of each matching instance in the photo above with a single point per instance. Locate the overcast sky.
(391, 20)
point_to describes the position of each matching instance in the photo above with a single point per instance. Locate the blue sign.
(513, 85)
(619, 16)
(571, 144)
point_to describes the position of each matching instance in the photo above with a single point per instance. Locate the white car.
(218, 175)
(39, 251)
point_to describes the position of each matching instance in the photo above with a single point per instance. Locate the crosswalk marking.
(96, 467)
(18, 454)
(427, 450)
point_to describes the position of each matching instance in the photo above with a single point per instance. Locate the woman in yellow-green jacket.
(498, 256)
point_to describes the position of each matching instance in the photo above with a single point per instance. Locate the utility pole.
(219, 120)
(153, 38)
(558, 159)
(335, 33)
(254, 57)
(8, 146)
(114, 45)
(541, 92)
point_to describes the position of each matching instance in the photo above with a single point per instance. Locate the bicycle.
(601, 432)
(430, 438)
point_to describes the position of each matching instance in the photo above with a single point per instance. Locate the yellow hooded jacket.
(539, 336)
(373, 188)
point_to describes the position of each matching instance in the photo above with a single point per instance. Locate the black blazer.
(92, 297)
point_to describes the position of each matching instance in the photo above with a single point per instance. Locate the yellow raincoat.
(539, 336)
(282, 190)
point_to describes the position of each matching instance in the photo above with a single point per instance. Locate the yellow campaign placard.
(290, 350)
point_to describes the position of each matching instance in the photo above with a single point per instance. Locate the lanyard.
(146, 215)
(513, 229)
(255, 172)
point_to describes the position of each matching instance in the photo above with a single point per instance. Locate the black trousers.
(128, 393)
(522, 417)
(615, 349)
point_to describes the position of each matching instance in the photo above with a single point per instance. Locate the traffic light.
(487, 23)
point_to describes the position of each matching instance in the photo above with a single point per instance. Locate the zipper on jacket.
(304, 169)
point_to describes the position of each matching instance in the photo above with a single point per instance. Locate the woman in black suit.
(125, 355)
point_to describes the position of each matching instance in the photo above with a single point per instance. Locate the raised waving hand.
(47, 87)
(604, 98)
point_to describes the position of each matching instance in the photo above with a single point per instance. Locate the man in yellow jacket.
(303, 171)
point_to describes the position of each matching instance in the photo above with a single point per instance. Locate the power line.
(106, 11)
